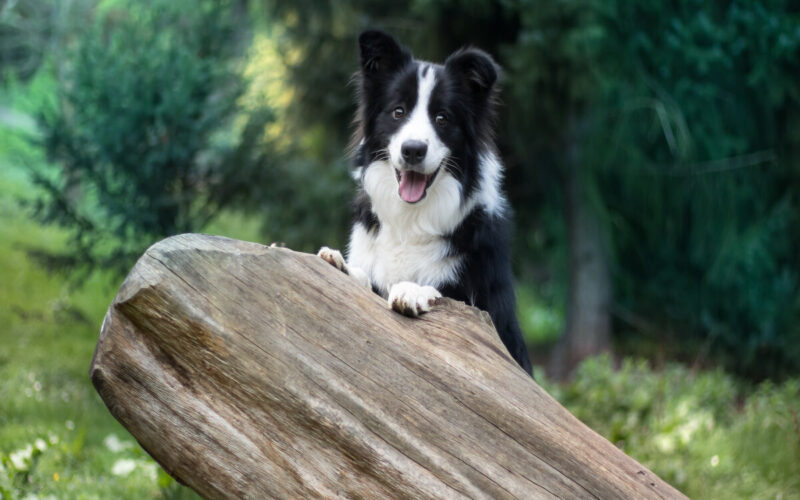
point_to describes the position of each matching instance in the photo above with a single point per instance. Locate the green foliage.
(142, 130)
(684, 116)
(692, 159)
(30, 29)
(682, 119)
(702, 432)
(541, 320)
(305, 203)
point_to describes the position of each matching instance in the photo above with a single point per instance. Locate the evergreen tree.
(141, 132)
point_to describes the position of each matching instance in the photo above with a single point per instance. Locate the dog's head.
(425, 120)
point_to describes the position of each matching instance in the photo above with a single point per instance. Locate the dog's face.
(426, 121)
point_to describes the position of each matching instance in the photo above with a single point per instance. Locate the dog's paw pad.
(411, 299)
(333, 257)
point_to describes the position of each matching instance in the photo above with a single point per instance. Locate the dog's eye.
(440, 120)
(398, 112)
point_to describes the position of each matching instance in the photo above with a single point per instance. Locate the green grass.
(56, 436)
(705, 433)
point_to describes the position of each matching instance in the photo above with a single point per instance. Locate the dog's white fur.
(419, 126)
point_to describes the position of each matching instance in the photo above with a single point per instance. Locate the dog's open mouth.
(413, 185)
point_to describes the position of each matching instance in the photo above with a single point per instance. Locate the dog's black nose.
(413, 151)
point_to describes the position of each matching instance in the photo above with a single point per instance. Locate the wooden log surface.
(256, 372)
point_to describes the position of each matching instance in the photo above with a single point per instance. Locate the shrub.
(142, 129)
(704, 433)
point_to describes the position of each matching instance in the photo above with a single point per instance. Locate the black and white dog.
(430, 217)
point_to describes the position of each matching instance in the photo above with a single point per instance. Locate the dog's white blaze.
(419, 126)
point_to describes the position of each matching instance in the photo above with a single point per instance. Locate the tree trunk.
(588, 315)
(256, 372)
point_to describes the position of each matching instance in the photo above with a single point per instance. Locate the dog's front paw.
(412, 299)
(333, 257)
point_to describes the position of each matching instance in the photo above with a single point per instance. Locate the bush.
(704, 433)
(142, 129)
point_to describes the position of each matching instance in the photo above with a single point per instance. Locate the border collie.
(430, 217)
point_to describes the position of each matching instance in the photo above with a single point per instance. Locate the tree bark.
(587, 331)
(256, 372)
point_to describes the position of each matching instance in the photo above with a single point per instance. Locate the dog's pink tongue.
(412, 186)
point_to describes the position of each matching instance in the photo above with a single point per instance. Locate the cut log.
(255, 372)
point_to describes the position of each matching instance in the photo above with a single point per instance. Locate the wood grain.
(256, 372)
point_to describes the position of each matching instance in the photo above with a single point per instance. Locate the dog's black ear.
(475, 69)
(380, 53)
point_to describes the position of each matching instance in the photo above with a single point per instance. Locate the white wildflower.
(40, 444)
(19, 459)
(115, 445)
(150, 469)
(123, 467)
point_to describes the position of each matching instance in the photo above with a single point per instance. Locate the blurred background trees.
(651, 149)
(651, 155)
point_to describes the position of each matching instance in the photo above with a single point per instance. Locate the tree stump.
(255, 372)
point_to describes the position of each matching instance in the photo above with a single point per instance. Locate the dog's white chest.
(390, 257)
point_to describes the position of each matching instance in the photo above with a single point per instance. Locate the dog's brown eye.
(398, 112)
(441, 120)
